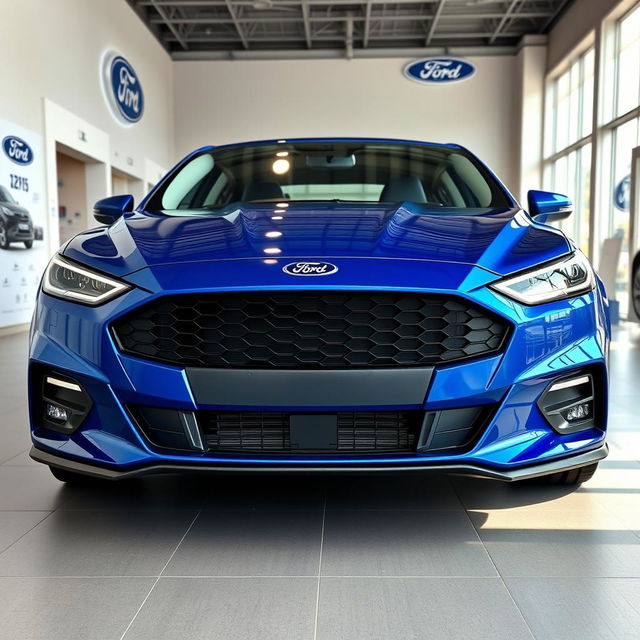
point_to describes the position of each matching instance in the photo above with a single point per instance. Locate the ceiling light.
(281, 166)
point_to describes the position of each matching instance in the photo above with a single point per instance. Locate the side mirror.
(108, 210)
(545, 206)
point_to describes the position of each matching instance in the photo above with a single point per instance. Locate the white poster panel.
(23, 249)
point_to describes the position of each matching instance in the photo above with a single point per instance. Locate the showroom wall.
(52, 99)
(61, 59)
(226, 101)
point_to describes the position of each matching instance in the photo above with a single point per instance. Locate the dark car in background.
(15, 222)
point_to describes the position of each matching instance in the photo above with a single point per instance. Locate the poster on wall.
(23, 250)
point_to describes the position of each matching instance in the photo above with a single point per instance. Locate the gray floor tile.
(250, 543)
(29, 488)
(162, 492)
(228, 609)
(21, 459)
(554, 551)
(249, 491)
(417, 608)
(69, 608)
(400, 491)
(97, 543)
(14, 524)
(402, 543)
(578, 608)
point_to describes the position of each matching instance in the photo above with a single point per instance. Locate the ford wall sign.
(621, 194)
(310, 269)
(17, 150)
(122, 88)
(439, 70)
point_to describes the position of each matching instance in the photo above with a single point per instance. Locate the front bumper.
(548, 342)
(523, 473)
(19, 231)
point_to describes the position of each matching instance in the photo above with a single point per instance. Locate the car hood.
(14, 208)
(500, 241)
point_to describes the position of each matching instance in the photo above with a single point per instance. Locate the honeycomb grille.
(309, 330)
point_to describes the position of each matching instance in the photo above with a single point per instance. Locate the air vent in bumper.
(347, 432)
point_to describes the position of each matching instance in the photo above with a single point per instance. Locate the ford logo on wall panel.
(439, 70)
(622, 193)
(122, 88)
(310, 269)
(17, 150)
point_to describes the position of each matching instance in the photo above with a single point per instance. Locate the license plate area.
(313, 432)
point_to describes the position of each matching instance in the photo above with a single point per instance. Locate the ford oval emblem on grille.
(310, 269)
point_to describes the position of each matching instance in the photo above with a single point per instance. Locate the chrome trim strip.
(64, 384)
(569, 383)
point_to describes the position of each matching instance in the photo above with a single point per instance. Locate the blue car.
(322, 305)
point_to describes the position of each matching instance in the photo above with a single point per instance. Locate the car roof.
(331, 139)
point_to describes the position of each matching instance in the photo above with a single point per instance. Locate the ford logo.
(17, 150)
(310, 269)
(622, 193)
(122, 88)
(439, 70)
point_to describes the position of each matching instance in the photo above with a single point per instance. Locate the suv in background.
(15, 222)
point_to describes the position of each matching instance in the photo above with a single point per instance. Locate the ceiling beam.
(367, 24)
(170, 24)
(434, 22)
(281, 3)
(239, 29)
(507, 14)
(348, 40)
(335, 18)
(331, 53)
(338, 36)
(307, 23)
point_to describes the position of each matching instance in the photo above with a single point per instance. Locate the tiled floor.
(323, 558)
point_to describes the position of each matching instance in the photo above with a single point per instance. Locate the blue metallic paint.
(404, 249)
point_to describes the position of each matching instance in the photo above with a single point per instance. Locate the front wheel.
(4, 240)
(70, 477)
(572, 477)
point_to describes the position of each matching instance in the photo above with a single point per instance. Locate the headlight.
(566, 278)
(67, 280)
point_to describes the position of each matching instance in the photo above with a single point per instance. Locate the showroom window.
(620, 134)
(568, 128)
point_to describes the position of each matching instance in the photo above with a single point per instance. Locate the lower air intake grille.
(361, 431)
(346, 432)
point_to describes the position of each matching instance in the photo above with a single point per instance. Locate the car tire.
(570, 478)
(28, 244)
(4, 241)
(70, 477)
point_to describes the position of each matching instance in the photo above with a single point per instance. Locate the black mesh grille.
(286, 330)
(268, 431)
(453, 430)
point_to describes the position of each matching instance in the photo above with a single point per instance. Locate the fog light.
(568, 403)
(54, 412)
(579, 412)
(64, 402)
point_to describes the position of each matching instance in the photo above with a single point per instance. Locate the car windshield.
(361, 172)
(5, 196)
